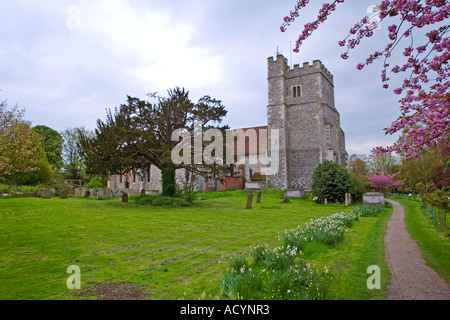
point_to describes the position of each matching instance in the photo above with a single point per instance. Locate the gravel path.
(411, 278)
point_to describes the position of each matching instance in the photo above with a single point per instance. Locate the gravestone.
(92, 193)
(249, 201)
(87, 193)
(326, 201)
(101, 195)
(258, 199)
(373, 198)
(37, 194)
(64, 194)
(286, 198)
(108, 193)
(46, 194)
(125, 197)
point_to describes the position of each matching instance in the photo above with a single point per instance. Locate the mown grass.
(434, 244)
(169, 253)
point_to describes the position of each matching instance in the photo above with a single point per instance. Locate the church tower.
(302, 107)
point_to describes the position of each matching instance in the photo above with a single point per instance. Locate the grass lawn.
(435, 245)
(168, 253)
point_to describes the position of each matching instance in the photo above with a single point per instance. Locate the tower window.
(148, 175)
(297, 92)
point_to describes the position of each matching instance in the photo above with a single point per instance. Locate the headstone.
(373, 198)
(143, 192)
(295, 193)
(37, 194)
(286, 198)
(47, 193)
(326, 201)
(249, 201)
(108, 193)
(64, 194)
(125, 197)
(92, 193)
(101, 195)
(87, 193)
(258, 199)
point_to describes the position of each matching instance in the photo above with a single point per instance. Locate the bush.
(4, 188)
(158, 201)
(330, 181)
(95, 184)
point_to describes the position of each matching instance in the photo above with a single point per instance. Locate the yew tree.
(138, 134)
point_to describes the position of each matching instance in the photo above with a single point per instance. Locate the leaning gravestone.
(101, 195)
(64, 194)
(249, 201)
(258, 199)
(125, 197)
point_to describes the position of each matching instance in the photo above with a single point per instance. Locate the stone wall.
(301, 105)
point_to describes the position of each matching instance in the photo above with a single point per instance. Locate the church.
(301, 110)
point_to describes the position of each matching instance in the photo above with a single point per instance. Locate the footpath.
(411, 278)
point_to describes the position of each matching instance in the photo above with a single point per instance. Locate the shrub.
(4, 188)
(95, 184)
(169, 202)
(330, 181)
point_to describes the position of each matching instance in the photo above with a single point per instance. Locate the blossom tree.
(425, 100)
(383, 182)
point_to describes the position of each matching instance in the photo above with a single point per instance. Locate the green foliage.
(329, 230)
(281, 273)
(330, 181)
(52, 143)
(158, 201)
(95, 184)
(359, 184)
(368, 210)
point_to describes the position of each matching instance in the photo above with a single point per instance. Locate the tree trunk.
(168, 180)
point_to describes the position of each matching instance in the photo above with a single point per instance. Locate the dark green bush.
(330, 181)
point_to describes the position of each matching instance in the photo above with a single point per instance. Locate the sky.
(66, 62)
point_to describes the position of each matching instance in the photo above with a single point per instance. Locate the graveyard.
(165, 252)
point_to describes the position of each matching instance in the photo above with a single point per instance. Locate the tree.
(20, 148)
(385, 163)
(139, 134)
(52, 141)
(384, 182)
(358, 180)
(425, 104)
(330, 181)
(413, 171)
(73, 161)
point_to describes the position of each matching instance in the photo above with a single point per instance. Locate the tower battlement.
(280, 67)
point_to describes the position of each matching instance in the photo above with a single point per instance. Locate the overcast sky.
(66, 71)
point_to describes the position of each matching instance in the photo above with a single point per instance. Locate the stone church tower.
(301, 106)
